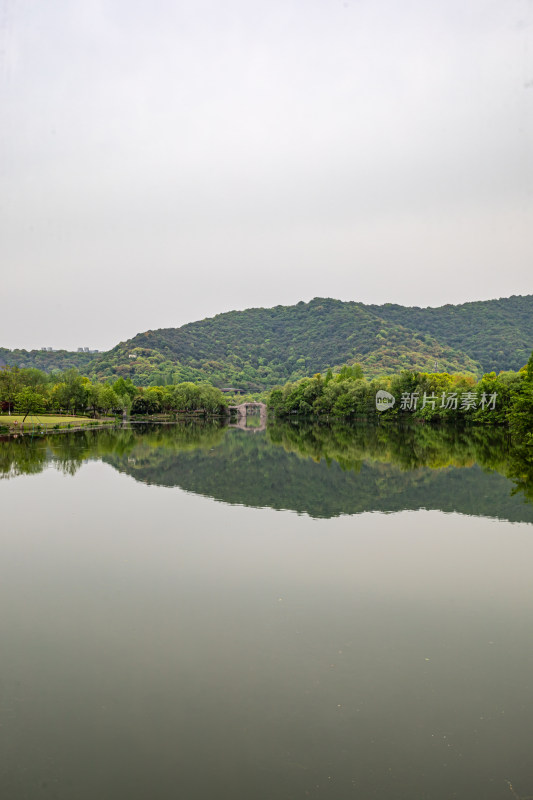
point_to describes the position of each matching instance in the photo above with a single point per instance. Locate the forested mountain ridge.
(262, 347)
(496, 333)
(47, 360)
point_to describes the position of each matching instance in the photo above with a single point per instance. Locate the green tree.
(34, 378)
(94, 391)
(72, 394)
(521, 414)
(28, 401)
(10, 385)
(109, 400)
(124, 388)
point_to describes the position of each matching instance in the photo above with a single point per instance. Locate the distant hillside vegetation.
(47, 360)
(261, 347)
(496, 333)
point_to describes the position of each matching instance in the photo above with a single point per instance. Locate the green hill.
(496, 333)
(261, 347)
(48, 360)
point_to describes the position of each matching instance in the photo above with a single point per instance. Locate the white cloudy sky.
(163, 161)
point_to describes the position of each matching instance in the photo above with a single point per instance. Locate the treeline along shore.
(432, 396)
(505, 398)
(31, 392)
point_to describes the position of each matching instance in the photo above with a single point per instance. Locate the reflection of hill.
(320, 470)
(250, 470)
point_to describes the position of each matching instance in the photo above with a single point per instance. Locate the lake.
(311, 611)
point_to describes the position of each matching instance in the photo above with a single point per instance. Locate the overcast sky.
(163, 161)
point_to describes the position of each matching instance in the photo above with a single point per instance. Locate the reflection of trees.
(261, 470)
(359, 469)
(520, 470)
(409, 447)
(152, 448)
(67, 452)
(22, 456)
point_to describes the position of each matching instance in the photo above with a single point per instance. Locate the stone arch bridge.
(242, 413)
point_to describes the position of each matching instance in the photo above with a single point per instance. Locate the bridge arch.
(242, 412)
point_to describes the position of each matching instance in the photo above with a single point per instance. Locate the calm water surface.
(159, 643)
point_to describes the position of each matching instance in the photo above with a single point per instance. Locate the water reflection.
(158, 644)
(321, 470)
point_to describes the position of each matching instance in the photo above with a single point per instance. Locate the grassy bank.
(11, 423)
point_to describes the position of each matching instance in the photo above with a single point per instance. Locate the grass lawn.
(47, 421)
